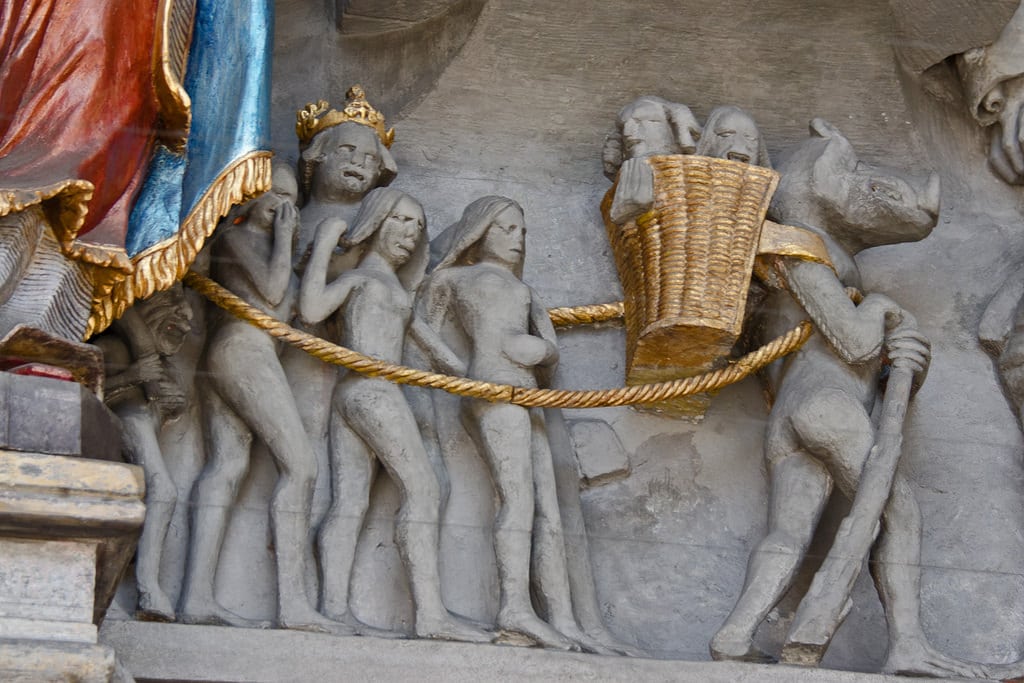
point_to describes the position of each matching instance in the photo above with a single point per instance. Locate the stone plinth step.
(174, 652)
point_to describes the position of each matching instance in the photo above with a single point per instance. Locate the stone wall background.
(522, 110)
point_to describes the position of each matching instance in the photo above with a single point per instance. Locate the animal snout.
(931, 196)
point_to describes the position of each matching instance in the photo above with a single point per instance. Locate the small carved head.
(284, 188)
(731, 133)
(392, 224)
(650, 125)
(348, 158)
(491, 228)
(169, 316)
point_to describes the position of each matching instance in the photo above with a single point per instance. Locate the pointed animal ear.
(821, 128)
(833, 170)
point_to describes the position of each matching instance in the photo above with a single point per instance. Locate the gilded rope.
(505, 393)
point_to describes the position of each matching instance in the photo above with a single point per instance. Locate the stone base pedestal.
(68, 528)
(172, 652)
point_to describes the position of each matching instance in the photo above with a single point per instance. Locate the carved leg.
(897, 574)
(353, 470)
(550, 572)
(385, 423)
(279, 426)
(800, 486)
(161, 495)
(503, 434)
(228, 443)
(585, 604)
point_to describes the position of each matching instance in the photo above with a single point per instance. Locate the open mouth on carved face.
(354, 172)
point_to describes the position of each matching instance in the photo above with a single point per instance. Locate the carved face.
(400, 232)
(505, 241)
(169, 316)
(733, 136)
(646, 131)
(285, 189)
(351, 161)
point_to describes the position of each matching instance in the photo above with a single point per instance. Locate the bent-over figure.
(144, 389)
(820, 430)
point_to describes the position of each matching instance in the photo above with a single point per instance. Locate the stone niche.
(516, 98)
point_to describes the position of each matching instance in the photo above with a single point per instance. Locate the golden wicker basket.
(686, 266)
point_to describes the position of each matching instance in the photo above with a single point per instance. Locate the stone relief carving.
(263, 256)
(343, 155)
(371, 422)
(145, 391)
(248, 396)
(820, 431)
(476, 288)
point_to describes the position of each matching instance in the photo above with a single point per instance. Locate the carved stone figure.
(820, 431)
(649, 125)
(343, 156)
(249, 397)
(476, 288)
(144, 390)
(992, 77)
(731, 133)
(371, 421)
(645, 127)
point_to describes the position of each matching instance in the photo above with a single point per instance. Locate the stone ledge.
(173, 652)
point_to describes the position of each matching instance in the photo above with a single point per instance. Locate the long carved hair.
(373, 211)
(469, 231)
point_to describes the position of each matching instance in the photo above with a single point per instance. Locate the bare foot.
(915, 657)
(1014, 671)
(450, 626)
(728, 645)
(362, 629)
(572, 631)
(154, 606)
(607, 639)
(212, 614)
(531, 626)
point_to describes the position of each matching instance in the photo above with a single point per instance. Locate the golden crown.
(316, 117)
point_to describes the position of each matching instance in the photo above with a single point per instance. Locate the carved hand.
(286, 219)
(634, 193)
(1006, 152)
(529, 351)
(907, 347)
(149, 368)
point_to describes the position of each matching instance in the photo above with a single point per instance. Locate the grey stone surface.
(600, 453)
(522, 111)
(43, 415)
(153, 652)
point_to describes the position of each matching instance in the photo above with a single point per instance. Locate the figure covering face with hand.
(249, 396)
(371, 422)
(478, 302)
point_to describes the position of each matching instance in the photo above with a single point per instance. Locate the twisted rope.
(506, 393)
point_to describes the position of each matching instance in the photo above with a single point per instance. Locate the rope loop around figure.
(506, 393)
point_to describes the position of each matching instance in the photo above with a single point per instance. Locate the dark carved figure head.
(731, 133)
(650, 125)
(347, 160)
(168, 316)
